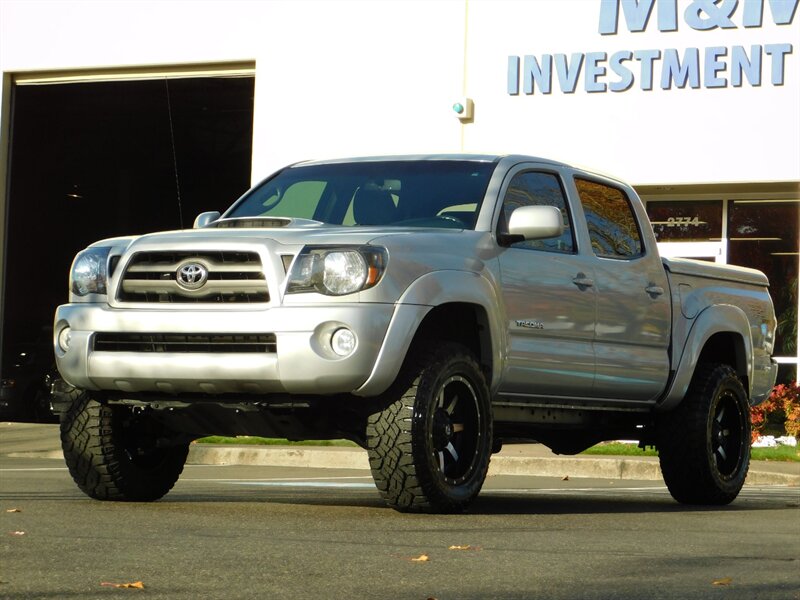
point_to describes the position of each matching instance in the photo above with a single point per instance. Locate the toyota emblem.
(192, 276)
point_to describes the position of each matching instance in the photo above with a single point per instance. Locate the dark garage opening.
(95, 160)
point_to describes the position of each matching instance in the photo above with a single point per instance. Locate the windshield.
(424, 193)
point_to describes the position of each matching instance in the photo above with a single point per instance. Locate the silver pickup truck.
(429, 308)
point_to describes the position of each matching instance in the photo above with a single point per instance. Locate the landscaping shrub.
(784, 402)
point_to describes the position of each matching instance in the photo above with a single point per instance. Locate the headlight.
(336, 271)
(89, 272)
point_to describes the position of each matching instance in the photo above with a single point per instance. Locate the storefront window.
(763, 235)
(686, 221)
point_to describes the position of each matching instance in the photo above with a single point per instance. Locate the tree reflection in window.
(533, 188)
(612, 225)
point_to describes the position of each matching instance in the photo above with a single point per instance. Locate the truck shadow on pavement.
(529, 502)
(486, 505)
(592, 503)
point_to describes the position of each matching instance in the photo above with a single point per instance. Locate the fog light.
(64, 339)
(343, 341)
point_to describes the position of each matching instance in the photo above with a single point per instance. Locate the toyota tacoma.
(429, 308)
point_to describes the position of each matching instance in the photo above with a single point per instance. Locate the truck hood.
(290, 235)
(413, 251)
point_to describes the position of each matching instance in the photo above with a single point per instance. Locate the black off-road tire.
(108, 457)
(704, 444)
(429, 446)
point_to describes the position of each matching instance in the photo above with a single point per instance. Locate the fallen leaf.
(13, 510)
(421, 558)
(17, 533)
(565, 478)
(137, 585)
(723, 581)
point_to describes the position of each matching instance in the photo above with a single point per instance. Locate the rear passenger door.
(633, 302)
(549, 298)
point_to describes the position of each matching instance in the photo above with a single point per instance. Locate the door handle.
(654, 290)
(582, 281)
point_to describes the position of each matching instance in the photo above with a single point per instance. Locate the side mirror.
(205, 218)
(536, 222)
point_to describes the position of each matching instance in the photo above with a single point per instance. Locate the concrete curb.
(347, 458)
(598, 468)
(301, 456)
(351, 458)
(612, 468)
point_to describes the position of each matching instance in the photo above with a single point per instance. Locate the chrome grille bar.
(178, 342)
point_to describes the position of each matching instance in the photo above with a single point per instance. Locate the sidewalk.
(42, 441)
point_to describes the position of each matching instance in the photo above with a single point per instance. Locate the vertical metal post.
(5, 158)
(797, 347)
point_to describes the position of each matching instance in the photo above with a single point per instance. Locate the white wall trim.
(136, 73)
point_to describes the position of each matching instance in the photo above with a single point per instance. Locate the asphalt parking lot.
(252, 531)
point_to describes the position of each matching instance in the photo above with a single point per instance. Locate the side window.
(612, 225)
(538, 189)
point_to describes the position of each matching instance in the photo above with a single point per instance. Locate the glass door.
(692, 229)
(764, 235)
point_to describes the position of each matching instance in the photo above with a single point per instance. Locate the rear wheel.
(429, 446)
(114, 454)
(704, 444)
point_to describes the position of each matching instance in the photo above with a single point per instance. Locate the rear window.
(613, 228)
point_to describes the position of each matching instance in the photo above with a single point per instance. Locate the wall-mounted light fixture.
(463, 109)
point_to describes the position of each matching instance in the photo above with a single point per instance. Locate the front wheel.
(704, 444)
(429, 445)
(114, 454)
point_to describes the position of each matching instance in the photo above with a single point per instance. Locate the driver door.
(550, 300)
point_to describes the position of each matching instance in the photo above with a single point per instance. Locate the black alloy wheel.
(704, 443)
(430, 442)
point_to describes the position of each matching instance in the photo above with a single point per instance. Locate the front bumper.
(302, 363)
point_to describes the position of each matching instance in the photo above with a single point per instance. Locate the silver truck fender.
(424, 294)
(721, 318)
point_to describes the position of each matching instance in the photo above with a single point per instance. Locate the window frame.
(643, 246)
(522, 170)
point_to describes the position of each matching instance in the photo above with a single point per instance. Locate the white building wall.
(675, 136)
(357, 78)
(338, 78)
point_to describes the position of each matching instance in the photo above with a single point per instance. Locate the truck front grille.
(232, 277)
(177, 342)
